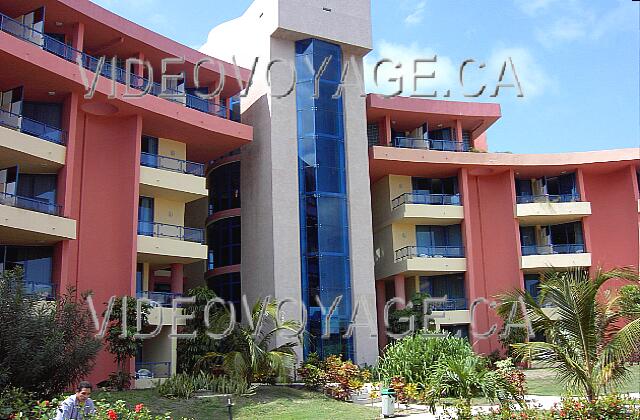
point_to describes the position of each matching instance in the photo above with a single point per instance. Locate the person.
(78, 406)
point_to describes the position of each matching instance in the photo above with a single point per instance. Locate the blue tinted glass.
(330, 180)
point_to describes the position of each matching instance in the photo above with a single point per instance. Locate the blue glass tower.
(324, 224)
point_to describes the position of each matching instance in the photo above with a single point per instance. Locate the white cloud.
(533, 79)
(405, 55)
(533, 7)
(417, 15)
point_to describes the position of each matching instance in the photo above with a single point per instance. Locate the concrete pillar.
(459, 132)
(386, 134)
(398, 283)
(77, 36)
(145, 277)
(381, 300)
(177, 277)
(139, 69)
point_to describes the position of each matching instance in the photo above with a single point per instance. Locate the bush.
(336, 377)
(14, 400)
(184, 385)
(44, 346)
(118, 410)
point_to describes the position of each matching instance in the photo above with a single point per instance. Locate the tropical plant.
(414, 309)
(184, 385)
(252, 354)
(45, 346)
(118, 410)
(121, 342)
(590, 339)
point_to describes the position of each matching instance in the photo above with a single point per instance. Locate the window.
(439, 236)
(436, 191)
(532, 284)
(38, 187)
(224, 187)
(223, 239)
(145, 216)
(8, 181)
(373, 134)
(37, 263)
(150, 145)
(47, 113)
(451, 286)
(228, 287)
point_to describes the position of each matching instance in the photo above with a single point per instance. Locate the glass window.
(223, 239)
(36, 261)
(438, 236)
(38, 186)
(228, 287)
(145, 216)
(150, 145)
(47, 113)
(224, 187)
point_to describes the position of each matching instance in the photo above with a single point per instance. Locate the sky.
(577, 61)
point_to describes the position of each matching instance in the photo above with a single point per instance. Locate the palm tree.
(252, 355)
(590, 338)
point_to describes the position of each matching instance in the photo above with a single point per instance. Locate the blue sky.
(577, 60)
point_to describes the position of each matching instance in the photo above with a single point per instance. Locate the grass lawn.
(269, 402)
(544, 382)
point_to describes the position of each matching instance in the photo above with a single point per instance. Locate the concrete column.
(381, 300)
(459, 131)
(398, 283)
(177, 278)
(145, 277)
(139, 69)
(77, 36)
(386, 138)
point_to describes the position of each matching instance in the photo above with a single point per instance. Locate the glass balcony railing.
(553, 249)
(171, 164)
(28, 203)
(547, 198)
(429, 144)
(451, 304)
(162, 230)
(162, 298)
(151, 370)
(66, 52)
(425, 198)
(429, 252)
(32, 127)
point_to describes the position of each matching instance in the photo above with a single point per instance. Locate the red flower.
(112, 415)
(139, 407)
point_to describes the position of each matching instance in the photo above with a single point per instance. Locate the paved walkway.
(422, 412)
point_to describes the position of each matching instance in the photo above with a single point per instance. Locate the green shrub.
(46, 410)
(14, 400)
(184, 385)
(44, 346)
(414, 357)
(336, 377)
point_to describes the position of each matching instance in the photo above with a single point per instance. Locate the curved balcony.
(430, 144)
(66, 52)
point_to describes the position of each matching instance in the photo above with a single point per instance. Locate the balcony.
(171, 164)
(37, 147)
(163, 299)
(427, 209)
(451, 304)
(173, 179)
(28, 221)
(429, 144)
(551, 209)
(66, 52)
(160, 243)
(419, 260)
(541, 257)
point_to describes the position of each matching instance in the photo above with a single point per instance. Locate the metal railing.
(553, 249)
(451, 304)
(171, 164)
(67, 52)
(162, 230)
(32, 127)
(151, 370)
(27, 203)
(429, 252)
(46, 290)
(547, 198)
(430, 144)
(162, 298)
(426, 198)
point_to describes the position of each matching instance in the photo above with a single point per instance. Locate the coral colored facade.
(152, 196)
(521, 214)
(97, 162)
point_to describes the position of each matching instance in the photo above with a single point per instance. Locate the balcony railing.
(429, 144)
(429, 252)
(151, 370)
(66, 52)
(553, 249)
(171, 164)
(451, 304)
(30, 204)
(425, 198)
(162, 230)
(162, 298)
(32, 127)
(547, 198)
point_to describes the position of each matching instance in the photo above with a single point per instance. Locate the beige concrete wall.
(161, 348)
(171, 185)
(380, 202)
(551, 213)
(173, 149)
(168, 251)
(33, 154)
(168, 211)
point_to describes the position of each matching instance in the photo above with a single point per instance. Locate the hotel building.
(280, 192)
